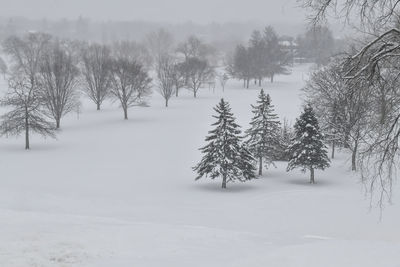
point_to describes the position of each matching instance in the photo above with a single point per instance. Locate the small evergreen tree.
(307, 150)
(225, 156)
(285, 139)
(263, 135)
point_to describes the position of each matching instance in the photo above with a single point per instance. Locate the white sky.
(200, 11)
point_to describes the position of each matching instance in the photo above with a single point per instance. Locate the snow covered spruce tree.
(307, 150)
(263, 135)
(225, 156)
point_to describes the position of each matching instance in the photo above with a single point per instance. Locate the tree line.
(46, 77)
(263, 57)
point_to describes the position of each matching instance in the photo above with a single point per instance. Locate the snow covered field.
(121, 193)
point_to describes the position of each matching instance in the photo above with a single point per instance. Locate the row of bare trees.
(47, 76)
(188, 66)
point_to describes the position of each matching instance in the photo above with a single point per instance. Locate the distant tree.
(317, 44)
(96, 71)
(194, 47)
(263, 134)
(258, 52)
(224, 156)
(199, 72)
(178, 77)
(26, 113)
(58, 80)
(277, 59)
(307, 150)
(223, 79)
(138, 52)
(160, 43)
(26, 53)
(190, 48)
(3, 67)
(165, 77)
(130, 83)
(240, 66)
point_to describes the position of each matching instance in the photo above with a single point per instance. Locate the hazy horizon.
(172, 11)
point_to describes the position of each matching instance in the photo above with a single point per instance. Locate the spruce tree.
(224, 155)
(307, 150)
(263, 135)
(286, 135)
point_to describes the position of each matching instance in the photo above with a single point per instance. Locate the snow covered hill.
(110, 192)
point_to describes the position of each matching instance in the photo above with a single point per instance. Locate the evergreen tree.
(263, 135)
(286, 135)
(247, 163)
(307, 150)
(225, 156)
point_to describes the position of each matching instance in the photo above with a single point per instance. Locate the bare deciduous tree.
(165, 77)
(26, 54)
(58, 80)
(375, 11)
(26, 112)
(160, 43)
(343, 107)
(374, 60)
(96, 69)
(198, 72)
(134, 51)
(223, 79)
(178, 77)
(130, 83)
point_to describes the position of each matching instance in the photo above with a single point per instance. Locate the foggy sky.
(199, 11)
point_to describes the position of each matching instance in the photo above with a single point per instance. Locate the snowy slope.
(111, 192)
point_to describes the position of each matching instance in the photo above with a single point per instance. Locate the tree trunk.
(176, 92)
(195, 93)
(166, 103)
(224, 181)
(312, 178)
(26, 131)
(98, 106)
(57, 123)
(272, 78)
(353, 160)
(260, 166)
(259, 82)
(248, 83)
(333, 149)
(383, 108)
(125, 113)
(354, 157)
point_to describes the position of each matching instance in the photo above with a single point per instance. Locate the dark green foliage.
(307, 150)
(282, 150)
(263, 135)
(224, 155)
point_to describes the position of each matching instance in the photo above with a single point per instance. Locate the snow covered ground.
(121, 193)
